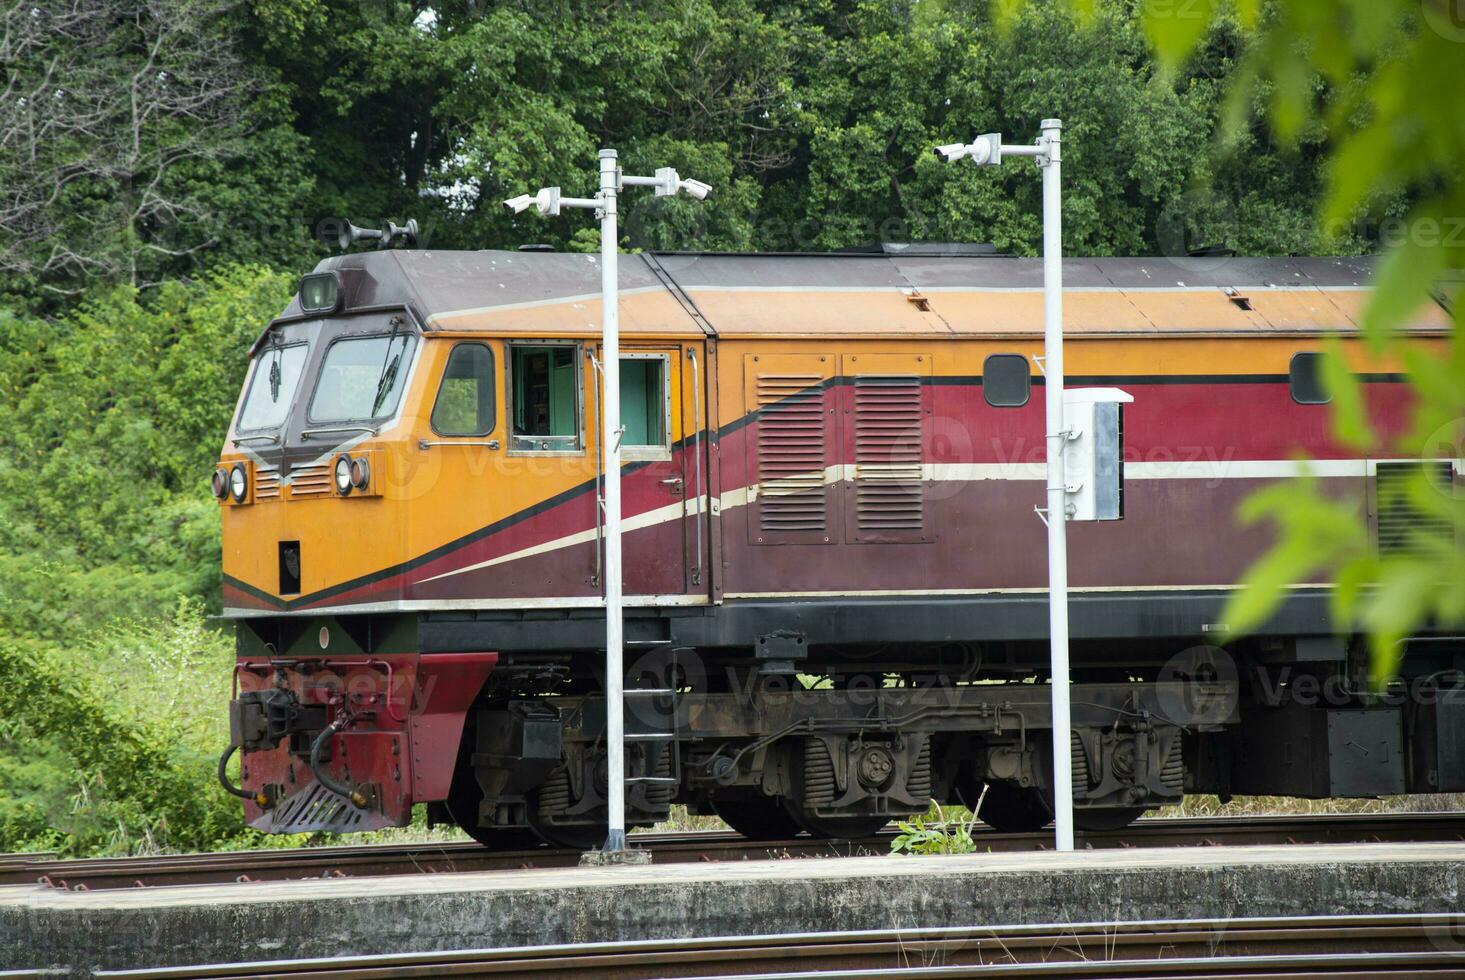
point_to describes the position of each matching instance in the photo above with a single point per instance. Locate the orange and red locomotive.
(836, 609)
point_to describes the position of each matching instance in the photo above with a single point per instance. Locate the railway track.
(1326, 946)
(392, 859)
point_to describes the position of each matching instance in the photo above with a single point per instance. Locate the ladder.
(638, 702)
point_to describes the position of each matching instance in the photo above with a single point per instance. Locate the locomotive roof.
(546, 294)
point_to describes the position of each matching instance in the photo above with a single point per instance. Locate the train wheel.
(757, 818)
(1011, 809)
(1108, 818)
(836, 828)
(554, 796)
(575, 836)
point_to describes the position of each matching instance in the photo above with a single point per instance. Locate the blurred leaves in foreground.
(1382, 78)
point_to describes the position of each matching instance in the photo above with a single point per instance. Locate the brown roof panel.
(895, 293)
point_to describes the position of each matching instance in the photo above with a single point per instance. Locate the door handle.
(673, 483)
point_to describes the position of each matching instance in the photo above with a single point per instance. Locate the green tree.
(115, 413)
(135, 142)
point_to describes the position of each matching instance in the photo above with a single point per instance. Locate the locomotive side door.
(659, 501)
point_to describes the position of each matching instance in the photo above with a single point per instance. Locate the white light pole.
(549, 201)
(989, 150)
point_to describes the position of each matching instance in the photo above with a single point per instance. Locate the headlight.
(239, 483)
(343, 475)
(360, 472)
(219, 483)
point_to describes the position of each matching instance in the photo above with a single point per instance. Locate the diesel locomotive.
(835, 575)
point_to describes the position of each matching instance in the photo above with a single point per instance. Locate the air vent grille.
(791, 451)
(888, 481)
(1403, 529)
(266, 483)
(310, 481)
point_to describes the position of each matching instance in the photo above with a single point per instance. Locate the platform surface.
(178, 925)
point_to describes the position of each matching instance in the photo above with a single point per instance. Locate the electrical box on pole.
(1093, 453)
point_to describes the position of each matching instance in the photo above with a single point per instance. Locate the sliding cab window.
(645, 406)
(464, 405)
(544, 381)
(361, 378)
(273, 380)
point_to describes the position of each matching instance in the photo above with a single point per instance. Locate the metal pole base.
(626, 855)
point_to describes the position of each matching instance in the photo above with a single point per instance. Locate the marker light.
(320, 292)
(239, 483)
(343, 475)
(219, 483)
(360, 472)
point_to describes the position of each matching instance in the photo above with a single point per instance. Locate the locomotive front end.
(339, 721)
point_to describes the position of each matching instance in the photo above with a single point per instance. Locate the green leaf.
(1401, 285)
(1175, 27)
(1350, 417)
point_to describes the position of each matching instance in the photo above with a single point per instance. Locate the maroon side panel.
(447, 683)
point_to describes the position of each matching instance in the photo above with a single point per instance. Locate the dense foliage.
(813, 121)
(168, 167)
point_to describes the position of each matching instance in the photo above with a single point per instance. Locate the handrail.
(595, 398)
(697, 457)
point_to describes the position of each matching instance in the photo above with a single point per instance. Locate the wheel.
(462, 806)
(1107, 818)
(1011, 809)
(575, 836)
(757, 818)
(840, 828)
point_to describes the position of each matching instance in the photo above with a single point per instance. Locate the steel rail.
(1399, 945)
(464, 856)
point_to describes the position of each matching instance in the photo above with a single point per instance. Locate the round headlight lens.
(343, 475)
(219, 483)
(238, 483)
(360, 473)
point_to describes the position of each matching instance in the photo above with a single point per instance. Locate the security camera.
(517, 205)
(951, 152)
(696, 189)
(986, 149)
(548, 200)
(667, 181)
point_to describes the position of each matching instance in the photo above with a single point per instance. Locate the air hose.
(316, 747)
(262, 798)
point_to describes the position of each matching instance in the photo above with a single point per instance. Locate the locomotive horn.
(350, 235)
(407, 233)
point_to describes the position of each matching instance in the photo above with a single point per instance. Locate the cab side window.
(545, 380)
(1006, 382)
(465, 398)
(645, 406)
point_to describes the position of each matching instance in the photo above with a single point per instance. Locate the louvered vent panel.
(792, 445)
(888, 485)
(266, 483)
(310, 481)
(1401, 527)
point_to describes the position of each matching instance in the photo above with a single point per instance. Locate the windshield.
(362, 378)
(272, 384)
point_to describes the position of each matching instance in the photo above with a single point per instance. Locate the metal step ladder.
(635, 695)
